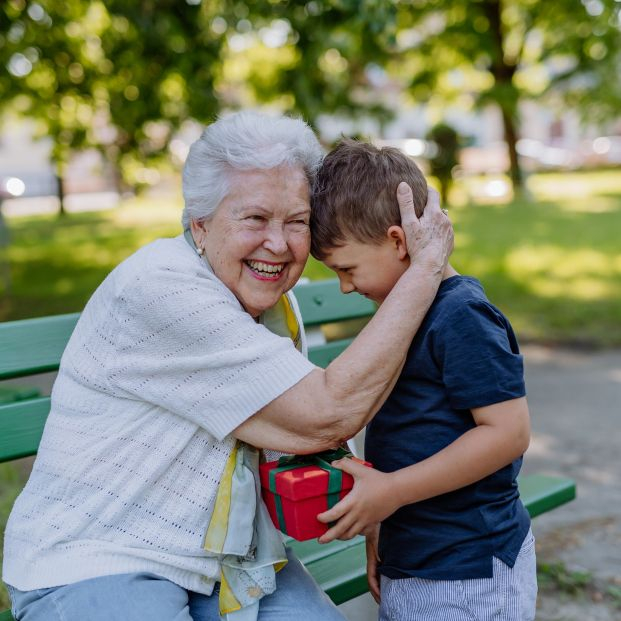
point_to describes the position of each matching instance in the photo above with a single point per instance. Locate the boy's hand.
(429, 239)
(369, 502)
(372, 560)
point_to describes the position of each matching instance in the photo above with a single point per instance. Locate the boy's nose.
(346, 285)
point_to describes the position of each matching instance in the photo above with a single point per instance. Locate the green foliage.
(557, 575)
(503, 52)
(124, 75)
(120, 76)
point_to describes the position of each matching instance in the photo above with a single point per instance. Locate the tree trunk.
(508, 121)
(60, 190)
(507, 95)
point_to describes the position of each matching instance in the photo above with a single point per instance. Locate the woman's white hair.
(245, 140)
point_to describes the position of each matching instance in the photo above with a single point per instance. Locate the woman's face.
(258, 240)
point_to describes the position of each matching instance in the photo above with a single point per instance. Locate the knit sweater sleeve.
(183, 342)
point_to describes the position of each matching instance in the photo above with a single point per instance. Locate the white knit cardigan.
(163, 364)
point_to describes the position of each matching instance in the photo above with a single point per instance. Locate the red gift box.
(296, 488)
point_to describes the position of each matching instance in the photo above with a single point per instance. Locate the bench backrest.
(32, 346)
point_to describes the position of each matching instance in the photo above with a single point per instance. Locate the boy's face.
(369, 269)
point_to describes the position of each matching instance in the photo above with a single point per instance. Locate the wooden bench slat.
(21, 427)
(322, 302)
(323, 355)
(343, 574)
(34, 346)
(541, 493)
(341, 569)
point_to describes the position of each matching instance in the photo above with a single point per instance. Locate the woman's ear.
(197, 227)
(396, 236)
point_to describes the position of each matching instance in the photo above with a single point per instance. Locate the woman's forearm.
(331, 405)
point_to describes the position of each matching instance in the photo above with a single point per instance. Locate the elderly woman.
(187, 356)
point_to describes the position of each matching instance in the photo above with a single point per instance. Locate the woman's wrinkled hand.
(371, 500)
(429, 238)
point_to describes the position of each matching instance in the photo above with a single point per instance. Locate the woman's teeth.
(265, 269)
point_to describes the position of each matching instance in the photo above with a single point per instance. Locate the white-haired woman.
(189, 355)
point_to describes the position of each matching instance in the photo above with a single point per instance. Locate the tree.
(506, 51)
(480, 52)
(120, 76)
(444, 159)
(313, 57)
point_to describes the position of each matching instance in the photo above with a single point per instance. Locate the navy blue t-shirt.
(465, 355)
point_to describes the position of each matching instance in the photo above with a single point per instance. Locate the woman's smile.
(265, 270)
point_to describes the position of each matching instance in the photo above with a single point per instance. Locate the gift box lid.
(300, 483)
(304, 481)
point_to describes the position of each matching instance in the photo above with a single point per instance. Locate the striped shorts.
(510, 595)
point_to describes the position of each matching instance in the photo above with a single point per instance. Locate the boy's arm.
(372, 539)
(501, 435)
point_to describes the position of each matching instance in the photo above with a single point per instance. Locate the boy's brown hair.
(355, 194)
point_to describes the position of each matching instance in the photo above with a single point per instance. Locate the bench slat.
(343, 574)
(322, 302)
(323, 355)
(340, 569)
(32, 346)
(541, 493)
(21, 427)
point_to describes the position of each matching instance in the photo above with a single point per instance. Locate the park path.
(575, 402)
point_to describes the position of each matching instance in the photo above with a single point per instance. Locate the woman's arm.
(328, 406)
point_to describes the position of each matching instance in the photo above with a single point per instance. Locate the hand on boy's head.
(429, 238)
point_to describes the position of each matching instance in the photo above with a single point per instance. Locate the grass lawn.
(553, 264)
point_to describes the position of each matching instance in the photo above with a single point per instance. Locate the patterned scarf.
(240, 533)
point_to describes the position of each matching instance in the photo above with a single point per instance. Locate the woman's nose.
(276, 241)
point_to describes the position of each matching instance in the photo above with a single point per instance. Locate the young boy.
(455, 541)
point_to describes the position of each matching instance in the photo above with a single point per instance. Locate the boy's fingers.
(336, 512)
(337, 531)
(374, 588)
(349, 466)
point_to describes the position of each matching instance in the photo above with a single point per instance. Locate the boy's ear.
(396, 237)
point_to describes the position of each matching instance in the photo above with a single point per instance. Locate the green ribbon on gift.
(323, 461)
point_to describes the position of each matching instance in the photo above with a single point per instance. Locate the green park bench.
(32, 346)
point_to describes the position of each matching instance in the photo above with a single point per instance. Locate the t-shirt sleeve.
(479, 356)
(188, 346)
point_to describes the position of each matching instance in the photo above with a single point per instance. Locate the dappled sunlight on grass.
(554, 266)
(555, 186)
(551, 271)
(142, 212)
(578, 288)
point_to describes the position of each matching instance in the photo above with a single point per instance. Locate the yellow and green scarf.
(241, 534)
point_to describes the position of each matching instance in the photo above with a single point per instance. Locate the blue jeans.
(146, 597)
